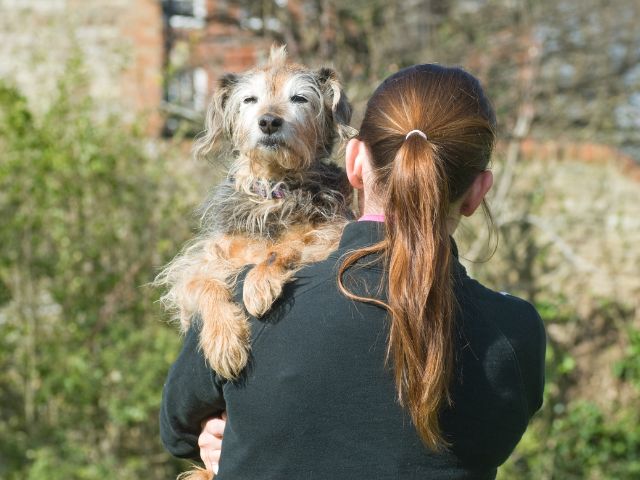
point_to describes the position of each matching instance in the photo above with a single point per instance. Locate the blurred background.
(99, 101)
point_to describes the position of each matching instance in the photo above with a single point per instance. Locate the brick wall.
(125, 45)
(220, 44)
(120, 40)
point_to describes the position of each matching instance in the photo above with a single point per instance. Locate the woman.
(386, 360)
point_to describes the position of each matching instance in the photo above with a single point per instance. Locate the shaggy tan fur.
(283, 205)
(207, 285)
(196, 474)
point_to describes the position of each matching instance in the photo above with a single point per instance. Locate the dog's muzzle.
(270, 142)
(270, 124)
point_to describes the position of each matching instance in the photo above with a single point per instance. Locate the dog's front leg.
(306, 244)
(225, 334)
(224, 337)
(208, 286)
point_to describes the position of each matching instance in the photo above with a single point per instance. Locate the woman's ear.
(474, 196)
(354, 161)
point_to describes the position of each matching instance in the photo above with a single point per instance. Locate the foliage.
(89, 214)
(556, 250)
(573, 437)
(628, 368)
(580, 443)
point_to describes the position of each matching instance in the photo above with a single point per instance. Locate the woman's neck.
(372, 210)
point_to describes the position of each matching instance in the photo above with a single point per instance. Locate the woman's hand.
(210, 441)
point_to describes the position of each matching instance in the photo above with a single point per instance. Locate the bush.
(88, 216)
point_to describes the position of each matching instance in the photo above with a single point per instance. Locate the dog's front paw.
(226, 347)
(262, 286)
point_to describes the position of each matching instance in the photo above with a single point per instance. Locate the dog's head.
(280, 118)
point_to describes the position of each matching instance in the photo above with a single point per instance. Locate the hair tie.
(419, 132)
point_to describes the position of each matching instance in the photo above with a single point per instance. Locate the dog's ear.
(340, 106)
(225, 85)
(216, 121)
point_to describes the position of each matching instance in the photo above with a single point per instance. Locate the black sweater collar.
(365, 233)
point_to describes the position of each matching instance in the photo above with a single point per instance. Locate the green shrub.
(88, 216)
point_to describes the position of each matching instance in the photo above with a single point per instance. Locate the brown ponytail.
(418, 178)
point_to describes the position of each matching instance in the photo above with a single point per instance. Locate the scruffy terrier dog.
(281, 206)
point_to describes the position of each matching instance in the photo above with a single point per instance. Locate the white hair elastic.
(419, 132)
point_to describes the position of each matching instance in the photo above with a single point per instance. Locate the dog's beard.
(274, 161)
(270, 144)
(273, 158)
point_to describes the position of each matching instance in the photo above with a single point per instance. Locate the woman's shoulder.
(517, 319)
(515, 330)
(499, 379)
(515, 316)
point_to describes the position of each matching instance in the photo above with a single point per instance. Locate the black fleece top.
(318, 401)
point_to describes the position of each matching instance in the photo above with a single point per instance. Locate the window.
(185, 13)
(186, 98)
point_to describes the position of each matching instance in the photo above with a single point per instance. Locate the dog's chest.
(231, 211)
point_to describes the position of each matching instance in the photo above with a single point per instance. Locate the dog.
(282, 205)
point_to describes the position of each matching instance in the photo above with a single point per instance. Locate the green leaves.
(88, 216)
(628, 368)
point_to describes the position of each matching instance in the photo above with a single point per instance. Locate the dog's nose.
(269, 123)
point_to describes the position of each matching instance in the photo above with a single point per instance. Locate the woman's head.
(415, 181)
(448, 106)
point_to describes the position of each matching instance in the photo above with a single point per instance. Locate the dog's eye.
(299, 99)
(250, 100)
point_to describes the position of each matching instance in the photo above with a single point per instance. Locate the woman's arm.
(192, 393)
